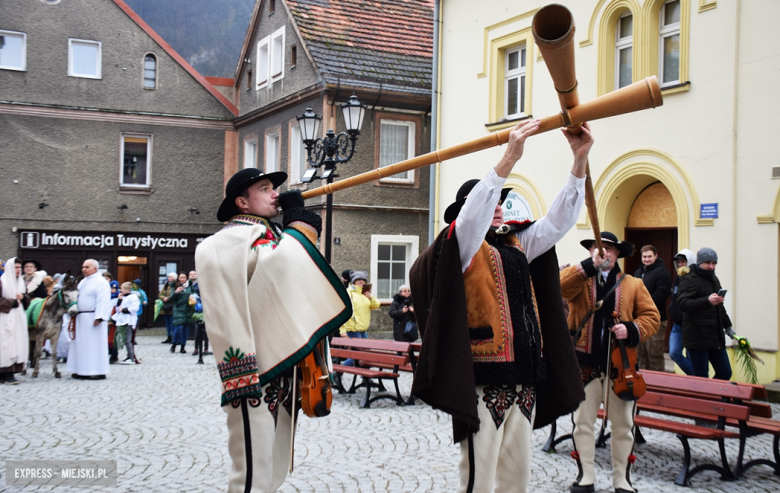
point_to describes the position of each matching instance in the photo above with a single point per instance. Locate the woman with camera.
(402, 313)
(167, 307)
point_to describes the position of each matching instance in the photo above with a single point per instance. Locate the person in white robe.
(14, 345)
(88, 351)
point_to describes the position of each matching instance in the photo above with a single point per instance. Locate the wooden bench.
(704, 400)
(374, 359)
(760, 413)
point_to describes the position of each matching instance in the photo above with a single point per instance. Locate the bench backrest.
(693, 404)
(346, 342)
(368, 357)
(661, 382)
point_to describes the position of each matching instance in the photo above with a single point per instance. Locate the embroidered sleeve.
(239, 375)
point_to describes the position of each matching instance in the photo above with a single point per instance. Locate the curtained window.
(396, 144)
(136, 160)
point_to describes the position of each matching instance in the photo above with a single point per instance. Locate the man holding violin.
(605, 304)
(258, 332)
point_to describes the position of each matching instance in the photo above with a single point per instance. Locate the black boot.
(578, 488)
(182, 351)
(168, 340)
(173, 348)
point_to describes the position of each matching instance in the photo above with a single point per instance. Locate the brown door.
(665, 241)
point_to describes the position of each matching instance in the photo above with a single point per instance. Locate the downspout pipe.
(434, 123)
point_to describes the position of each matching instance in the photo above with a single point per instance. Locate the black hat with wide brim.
(31, 261)
(454, 208)
(625, 249)
(240, 182)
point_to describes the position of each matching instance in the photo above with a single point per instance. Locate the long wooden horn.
(638, 96)
(553, 30)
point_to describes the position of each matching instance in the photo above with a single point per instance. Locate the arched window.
(150, 71)
(624, 50)
(669, 43)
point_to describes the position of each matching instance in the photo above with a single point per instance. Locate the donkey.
(49, 323)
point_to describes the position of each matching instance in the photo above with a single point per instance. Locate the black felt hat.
(625, 249)
(240, 182)
(454, 208)
(31, 261)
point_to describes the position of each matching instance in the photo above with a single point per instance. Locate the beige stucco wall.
(712, 143)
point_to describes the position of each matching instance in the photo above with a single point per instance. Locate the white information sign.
(516, 208)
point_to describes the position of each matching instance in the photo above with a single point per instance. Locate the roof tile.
(387, 41)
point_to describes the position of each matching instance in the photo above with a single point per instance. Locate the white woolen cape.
(265, 306)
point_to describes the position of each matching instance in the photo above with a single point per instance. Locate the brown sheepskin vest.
(506, 342)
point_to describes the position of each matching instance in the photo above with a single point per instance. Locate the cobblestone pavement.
(161, 420)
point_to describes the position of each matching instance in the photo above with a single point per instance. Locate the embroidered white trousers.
(259, 439)
(621, 418)
(501, 453)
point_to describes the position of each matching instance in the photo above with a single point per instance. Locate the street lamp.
(329, 151)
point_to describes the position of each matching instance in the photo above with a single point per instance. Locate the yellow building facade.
(701, 170)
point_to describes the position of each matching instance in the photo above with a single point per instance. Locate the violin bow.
(602, 440)
(292, 423)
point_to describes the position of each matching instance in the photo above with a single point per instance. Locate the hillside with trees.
(207, 33)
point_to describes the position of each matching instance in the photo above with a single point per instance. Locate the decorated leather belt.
(72, 324)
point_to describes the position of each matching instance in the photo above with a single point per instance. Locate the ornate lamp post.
(328, 152)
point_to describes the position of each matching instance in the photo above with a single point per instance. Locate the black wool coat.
(400, 318)
(703, 323)
(658, 282)
(444, 378)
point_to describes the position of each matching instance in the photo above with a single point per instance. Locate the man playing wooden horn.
(250, 275)
(594, 279)
(496, 353)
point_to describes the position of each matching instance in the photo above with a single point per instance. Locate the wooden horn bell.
(553, 29)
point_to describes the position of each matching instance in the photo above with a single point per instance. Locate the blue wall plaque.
(709, 211)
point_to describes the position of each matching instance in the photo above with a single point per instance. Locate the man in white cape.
(268, 298)
(14, 345)
(88, 351)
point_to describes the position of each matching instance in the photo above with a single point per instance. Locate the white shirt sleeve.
(563, 213)
(476, 215)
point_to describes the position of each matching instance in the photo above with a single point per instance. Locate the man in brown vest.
(483, 319)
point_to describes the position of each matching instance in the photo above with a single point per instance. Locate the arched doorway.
(652, 220)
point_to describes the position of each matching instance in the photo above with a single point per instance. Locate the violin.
(627, 382)
(316, 395)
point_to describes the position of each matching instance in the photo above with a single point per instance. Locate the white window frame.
(99, 61)
(272, 148)
(156, 70)
(23, 67)
(263, 65)
(519, 74)
(412, 243)
(622, 44)
(297, 156)
(412, 135)
(663, 33)
(276, 48)
(250, 144)
(149, 147)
